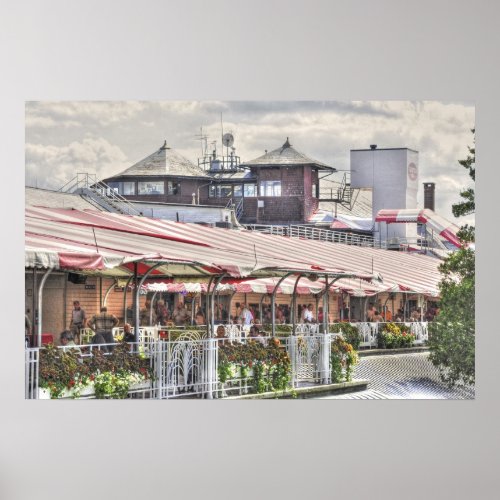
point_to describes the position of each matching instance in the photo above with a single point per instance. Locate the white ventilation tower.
(392, 174)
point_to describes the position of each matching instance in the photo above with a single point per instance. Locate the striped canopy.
(438, 224)
(103, 243)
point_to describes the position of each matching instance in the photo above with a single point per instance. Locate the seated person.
(377, 317)
(220, 334)
(68, 342)
(128, 336)
(415, 315)
(255, 334)
(199, 319)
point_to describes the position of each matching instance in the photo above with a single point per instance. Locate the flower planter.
(88, 391)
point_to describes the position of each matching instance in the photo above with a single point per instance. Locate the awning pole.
(273, 303)
(260, 307)
(326, 299)
(107, 291)
(34, 318)
(294, 303)
(207, 305)
(125, 299)
(40, 297)
(136, 295)
(217, 280)
(151, 308)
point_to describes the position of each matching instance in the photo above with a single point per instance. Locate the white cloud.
(50, 166)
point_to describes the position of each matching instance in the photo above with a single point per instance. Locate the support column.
(212, 342)
(273, 304)
(294, 303)
(125, 299)
(136, 296)
(108, 291)
(40, 305)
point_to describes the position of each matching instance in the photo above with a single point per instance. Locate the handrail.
(313, 233)
(89, 183)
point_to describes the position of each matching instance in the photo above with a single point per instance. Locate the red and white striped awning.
(110, 244)
(439, 224)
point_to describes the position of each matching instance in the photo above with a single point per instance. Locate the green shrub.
(349, 332)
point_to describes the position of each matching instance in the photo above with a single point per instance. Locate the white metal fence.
(313, 233)
(188, 365)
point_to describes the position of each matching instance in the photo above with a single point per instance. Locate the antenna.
(203, 142)
(222, 133)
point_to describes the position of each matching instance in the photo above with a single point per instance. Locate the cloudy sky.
(105, 137)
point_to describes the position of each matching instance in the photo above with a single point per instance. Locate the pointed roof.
(165, 161)
(286, 155)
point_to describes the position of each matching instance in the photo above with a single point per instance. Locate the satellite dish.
(228, 140)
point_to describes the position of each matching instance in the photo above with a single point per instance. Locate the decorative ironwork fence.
(188, 365)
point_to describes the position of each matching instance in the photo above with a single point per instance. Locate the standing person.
(308, 314)
(103, 325)
(246, 316)
(162, 313)
(180, 315)
(238, 310)
(370, 313)
(321, 314)
(78, 320)
(146, 313)
(224, 316)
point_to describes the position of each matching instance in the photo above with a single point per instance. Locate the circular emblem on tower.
(412, 171)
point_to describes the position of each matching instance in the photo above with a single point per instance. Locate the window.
(270, 188)
(220, 191)
(314, 194)
(151, 187)
(173, 188)
(238, 190)
(126, 188)
(250, 190)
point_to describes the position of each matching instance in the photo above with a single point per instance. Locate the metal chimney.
(429, 195)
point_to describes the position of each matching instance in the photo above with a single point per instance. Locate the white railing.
(187, 366)
(31, 373)
(369, 332)
(313, 233)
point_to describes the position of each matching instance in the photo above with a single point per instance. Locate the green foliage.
(349, 332)
(395, 336)
(270, 365)
(280, 330)
(468, 205)
(343, 358)
(62, 370)
(452, 333)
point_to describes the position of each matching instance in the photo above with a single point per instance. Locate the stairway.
(99, 194)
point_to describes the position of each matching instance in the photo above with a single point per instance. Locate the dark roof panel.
(165, 161)
(285, 155)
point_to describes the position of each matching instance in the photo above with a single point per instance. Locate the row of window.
(266, 188)
(148, 187)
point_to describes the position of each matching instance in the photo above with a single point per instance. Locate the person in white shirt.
(307, 314)
(246, 316)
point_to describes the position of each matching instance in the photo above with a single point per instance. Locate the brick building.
(279, 187)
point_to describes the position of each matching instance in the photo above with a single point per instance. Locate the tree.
(452, 333)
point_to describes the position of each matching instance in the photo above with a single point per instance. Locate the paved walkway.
(402, 376)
